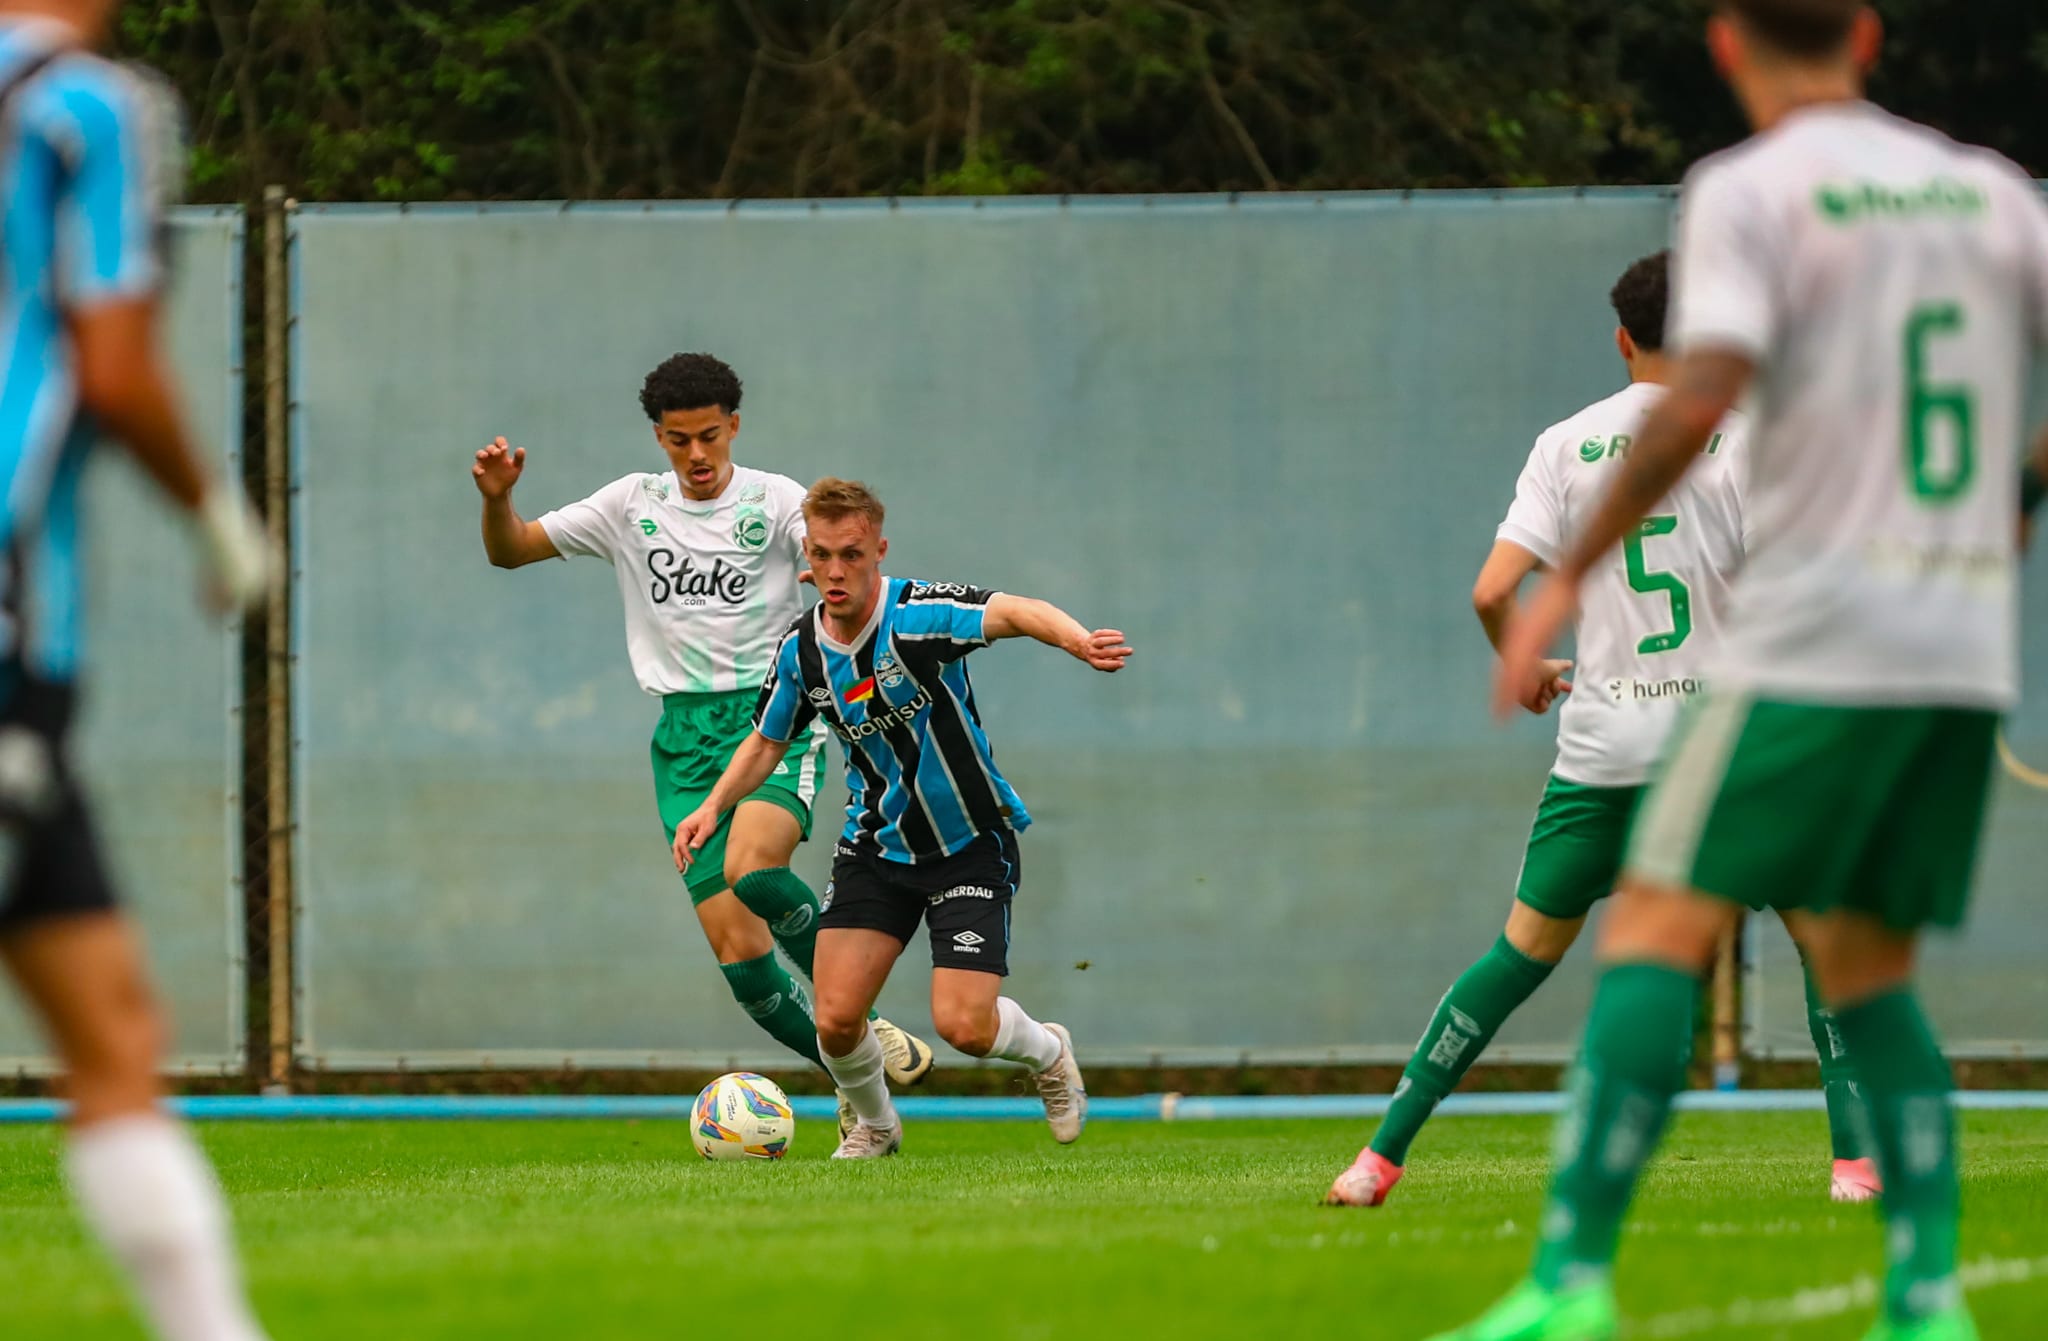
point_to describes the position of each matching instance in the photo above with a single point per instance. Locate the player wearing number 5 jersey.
(1880, 291)
(1649, 620)
(709, 556)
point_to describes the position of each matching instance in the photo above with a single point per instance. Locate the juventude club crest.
(750, 528)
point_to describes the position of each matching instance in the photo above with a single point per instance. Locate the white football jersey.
(708, 586)
(1651, 612)
(1890, 285)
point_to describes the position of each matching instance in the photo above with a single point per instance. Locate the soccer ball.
(742, 1116)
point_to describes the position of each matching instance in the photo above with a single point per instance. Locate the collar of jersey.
(700, 507)
(867, 630)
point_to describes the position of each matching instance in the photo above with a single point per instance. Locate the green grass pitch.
(602, 1230)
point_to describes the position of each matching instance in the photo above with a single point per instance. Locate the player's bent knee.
(111, 1066)
(734, 933)
(970, 1031)
(1539, 935)
(840, 1026)
(1658, 924)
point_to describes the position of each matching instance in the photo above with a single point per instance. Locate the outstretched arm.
(1022, 617)
(750, 766)
(1704, 390)
(510, 541)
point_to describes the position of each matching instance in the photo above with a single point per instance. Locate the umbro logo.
(969, 942)
(821, 696)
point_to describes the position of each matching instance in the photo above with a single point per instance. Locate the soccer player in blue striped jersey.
(83, 173)
(931, 824)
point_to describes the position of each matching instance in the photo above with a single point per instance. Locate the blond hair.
(833, 498)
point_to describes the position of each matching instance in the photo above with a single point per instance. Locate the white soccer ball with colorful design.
(742, 1116)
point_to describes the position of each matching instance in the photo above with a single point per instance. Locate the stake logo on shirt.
(679, 576)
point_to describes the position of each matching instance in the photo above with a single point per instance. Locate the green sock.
(1906, 1085)
(1466, 1020)
(776, 896)
(1848, 1124)
(1637, 1044)
(765, 991)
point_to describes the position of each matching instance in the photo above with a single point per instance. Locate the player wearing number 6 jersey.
(1649, 619)
(709, 557)
(1882, 291)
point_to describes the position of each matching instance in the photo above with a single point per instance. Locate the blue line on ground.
(1149, 1107)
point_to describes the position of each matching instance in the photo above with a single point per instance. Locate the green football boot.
(1532, 1313)
(1952, 1324)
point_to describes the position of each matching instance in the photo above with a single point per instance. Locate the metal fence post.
(277, 658)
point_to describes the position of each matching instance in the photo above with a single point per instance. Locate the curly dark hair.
(1802, 29)
(689, 382)
(1640, 298)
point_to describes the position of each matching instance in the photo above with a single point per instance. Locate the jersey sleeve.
(109, 130)
(946, 619)
(791, 528)
(591, 526)
(1536, 519)
(1726, 292)
(2033, 213)
(783, 709)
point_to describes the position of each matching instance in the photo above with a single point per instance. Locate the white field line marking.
(1827, 1301)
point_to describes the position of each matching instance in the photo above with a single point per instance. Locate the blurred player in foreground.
(1880, 290)
(709, 558)
(1649, 621)
(85, 171)
(931, 826)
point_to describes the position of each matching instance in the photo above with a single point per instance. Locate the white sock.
(145, 1188)
(860, 1078)
(1019, 1038)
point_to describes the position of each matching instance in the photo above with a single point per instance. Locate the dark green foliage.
(464, 99)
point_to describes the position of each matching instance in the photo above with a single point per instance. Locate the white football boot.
(865, 1142)
(906, 1058)
(1064, 1092)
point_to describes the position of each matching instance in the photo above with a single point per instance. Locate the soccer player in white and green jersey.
(710, 563)
(1880, 291)
(1649, 620)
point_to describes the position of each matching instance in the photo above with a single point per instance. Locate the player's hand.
(1103, 649)
(1550, 688)
(1525, 673)
(691, 835)
(497, 468)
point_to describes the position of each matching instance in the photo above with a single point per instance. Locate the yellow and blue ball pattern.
(742, 1116)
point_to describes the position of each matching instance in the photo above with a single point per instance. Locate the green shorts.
(693, 742)
(1575, 847)
(1816, 807)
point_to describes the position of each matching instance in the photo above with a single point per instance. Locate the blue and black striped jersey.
(923, 782)
(79, 224)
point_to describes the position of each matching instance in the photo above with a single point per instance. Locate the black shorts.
(964, 900)
(49, 855)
